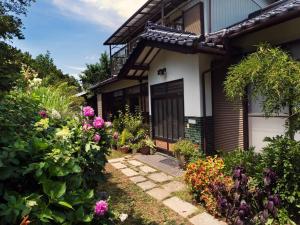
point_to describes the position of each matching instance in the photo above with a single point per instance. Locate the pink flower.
(43, 114)
(86, 127)
(98, 123)
(97, 138)
(116, 135)
(101, 208)
(88, 111)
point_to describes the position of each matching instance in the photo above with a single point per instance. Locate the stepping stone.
(147, 185)
(160, 177)
(135, 163)
(147, 169)
(119, 165)
(116, 160)
(206, 219)
(159, 193)
(183, 208)
(129, 172)
(174, 186)
(138, 179)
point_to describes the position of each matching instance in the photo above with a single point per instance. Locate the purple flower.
(86, 127)
(101, 208)
(43, 114)
(98, 123)
(97, 138)
(88, 111)
(269, 177)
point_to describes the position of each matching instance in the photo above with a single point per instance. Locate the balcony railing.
(119, 58)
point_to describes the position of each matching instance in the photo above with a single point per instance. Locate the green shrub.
(49, 167)
(187, 149)
(248, 159)
(125, 138)
(282, 155)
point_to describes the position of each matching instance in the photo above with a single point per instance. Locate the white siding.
(179, 66)
(189, 68)
(228, 12)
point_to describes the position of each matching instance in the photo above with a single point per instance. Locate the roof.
(105, 82)
(151, 10)
(166, 35)
(276, 12)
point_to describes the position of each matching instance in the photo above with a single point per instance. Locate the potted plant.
(185, 150)
(147, 147)
(124, 140)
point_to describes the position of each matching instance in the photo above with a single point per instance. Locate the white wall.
(99, 105)
(261, 127)
(188, 67)
(121, 84)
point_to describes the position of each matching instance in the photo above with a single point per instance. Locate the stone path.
(156, 177)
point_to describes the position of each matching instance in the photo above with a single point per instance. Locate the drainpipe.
(204, 109)
(209, 16)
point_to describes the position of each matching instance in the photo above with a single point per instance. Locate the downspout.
(204, 109)
(209, 16)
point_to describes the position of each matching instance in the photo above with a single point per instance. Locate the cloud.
(77, 68)
(108, 13)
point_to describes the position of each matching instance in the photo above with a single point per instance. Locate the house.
(173, 68)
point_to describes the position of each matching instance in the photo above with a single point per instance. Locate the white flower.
(123, 217)
(55, 114)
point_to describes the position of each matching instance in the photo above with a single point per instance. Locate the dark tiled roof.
(162, 34)
(271, 12)
(154, 32)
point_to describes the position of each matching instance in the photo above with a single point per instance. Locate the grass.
(116, 154)
(142, 209)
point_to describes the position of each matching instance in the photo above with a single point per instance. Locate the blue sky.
(73, 30)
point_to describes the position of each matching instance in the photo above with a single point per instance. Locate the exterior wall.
(226, 13)
(179, 66)
(99, 105)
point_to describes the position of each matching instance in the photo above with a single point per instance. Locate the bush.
(50, 171)
(202, 175)
(282, 155)
(187, 149)
(248, 159)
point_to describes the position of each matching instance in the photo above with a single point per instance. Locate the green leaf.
(54, 189)
(65, 204)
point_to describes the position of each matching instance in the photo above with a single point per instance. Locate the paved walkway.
(150, 174)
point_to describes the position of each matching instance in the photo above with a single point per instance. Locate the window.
(168, 111)
(193, 19)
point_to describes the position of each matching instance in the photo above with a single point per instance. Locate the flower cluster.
(101, 208)
(93, 124)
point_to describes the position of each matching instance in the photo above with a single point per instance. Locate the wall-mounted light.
(162, 72)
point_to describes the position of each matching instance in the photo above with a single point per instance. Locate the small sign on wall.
(192, 121)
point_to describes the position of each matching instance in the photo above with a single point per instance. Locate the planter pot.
(145, 151)
(124, 149)
(181, 160)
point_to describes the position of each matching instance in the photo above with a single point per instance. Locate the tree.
(97, 72)
(10, 22)
(272, 74)
(44, 65)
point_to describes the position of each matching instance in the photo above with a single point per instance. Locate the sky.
(73, 30)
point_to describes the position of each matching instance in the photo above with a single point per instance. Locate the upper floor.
(199, 17)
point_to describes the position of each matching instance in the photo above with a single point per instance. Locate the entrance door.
(168, 113)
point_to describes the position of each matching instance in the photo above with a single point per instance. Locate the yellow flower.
(41, 125)
(63, 133)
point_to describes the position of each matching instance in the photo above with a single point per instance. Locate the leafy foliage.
(201, 175)
(60, 98)
(49, 166)
(282, 155)
(188, 149)
(97, 72)
(249, 159)
(272, 74)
